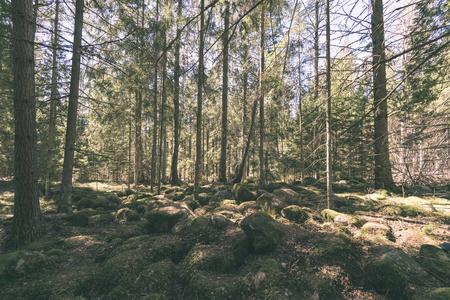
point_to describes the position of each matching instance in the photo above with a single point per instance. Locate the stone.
(294, 213)
(270, 204)
(378, 229)
(241, 193)
(436, 262)
(219, 221)
(163, 219)
(387, 280)
(288, 196)
(263, 231)
(78, 219)
(442, 293)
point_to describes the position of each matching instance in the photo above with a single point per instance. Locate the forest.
(225, 149)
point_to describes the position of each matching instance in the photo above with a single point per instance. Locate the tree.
(262, 177)
(71, 130)
(53, 101)
(223, 147)
(383, 174)
(328, 114)
(27, 223)
(176, 101)
(198, 152)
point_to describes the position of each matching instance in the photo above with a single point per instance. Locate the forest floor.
(233, 242)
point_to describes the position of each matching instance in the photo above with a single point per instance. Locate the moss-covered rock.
(219, 221)
(204, 285)
(288, 196)
(242, 246)
(294, 213)
(264, 277)
(342, 219)
(160, 277)
(391, 210)
(203, 198)
(387, 280)
(271, 204)
(197, 229)
(163, 219)
(208, 258)
(378, 229)
(78, 219)
(440, 294)
(248, 207)
(19, 264)
(85, 203)
(436, 262)
(263, 231)
(405, 264)
(241, 193)
(329, 214)
(126, 214)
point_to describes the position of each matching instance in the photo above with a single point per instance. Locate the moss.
(440, 293)
(78, 219)
(164, 219)
(85, 203)
(44, 244)
(386, 280)
(392, 210)
(429, 229)
(22, 264)
(263, 231)
(265, 277)
(294, 213)
(204, 286)
(241, 193)
(8, 264)
(126, 214)
(436, 262)
(329, 214)
(159, 277)
(378, 229)
(413, 211)
(241, 247)
(103, 219)
(203, 198)
(208, 258)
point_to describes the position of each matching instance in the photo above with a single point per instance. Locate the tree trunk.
(53, 101)
(27, 222)
(223, 145)
(155, 104)
(316, 53)
(244, 107)
(300, 115)
(328, 114)
(262, 177)
(138, 139)
(383, 174)
(199, 155)
(176, 102)
(65, 204)
(162, 157)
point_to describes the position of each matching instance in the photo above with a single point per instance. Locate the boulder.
(378, 229)
(442, 293)
(78, 219)
(288, 196)
(387, 280)
(436, 262)
(294, 213)
(263, 231)
(402, 262)
(222, 195)
(270, 203)
(164, 218)
(241, 193)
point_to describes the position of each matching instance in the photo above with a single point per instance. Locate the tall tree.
(155, 99)
(223, 147)
(262, 176)
(53, 101)
(328, 114)
(27, 222)
(71, 130)
(176, 101)
(198, 152)
(383, 173)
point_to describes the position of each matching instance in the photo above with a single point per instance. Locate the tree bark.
(53, 101)
(383, 174)
(155, 105)
(223, 147)
(138, 139)
(176, 102)
(65, 204)
(199, 155)
(162, 156)
(316, 52)
(262, 176)
(300, 115)
(27, 222)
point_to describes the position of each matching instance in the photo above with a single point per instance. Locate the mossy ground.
(115, 255)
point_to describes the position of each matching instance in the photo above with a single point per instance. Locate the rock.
(387, 280)
(241, 193)
(442, 293)
(263, 231)
(78, 219)
(241, 247)
(342, 219)
(219, 221)
(405, 264)
(159, 277)
(248, 207)
(287, 196)
(378, 229)
(126, 214)
(222, 195)
(270, 204)
(436, 262)
(376, 196)
(294, 213)
(163, 219)
(265, 276)
(208, 258)
(204, 285)
(203, 198)
(340, 202)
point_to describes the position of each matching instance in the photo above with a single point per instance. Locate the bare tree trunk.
(199, 155)
(223, 149)
(138, 139)
(383, 174)
(65, 204)
(53, 101)
(316, 52)
(176, 102)
(244, 108)
(300, 115)
(27, 222)
(129, 152)
(162, 157)
(262, 176)
(328, 114)
(155, 105)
